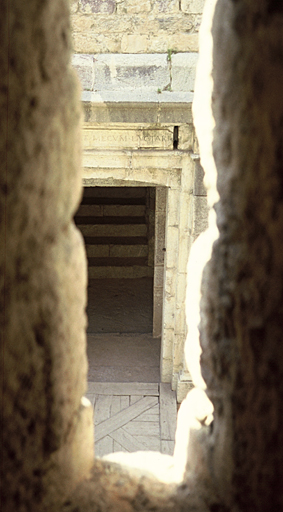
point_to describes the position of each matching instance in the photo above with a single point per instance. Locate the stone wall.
(130, 45)
(137, 62)
(134, 26)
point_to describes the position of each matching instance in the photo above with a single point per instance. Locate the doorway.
(118, 225)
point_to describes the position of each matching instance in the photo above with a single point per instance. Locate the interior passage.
(118, 228)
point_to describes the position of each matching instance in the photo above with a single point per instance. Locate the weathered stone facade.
(130, 26)
(138, 131)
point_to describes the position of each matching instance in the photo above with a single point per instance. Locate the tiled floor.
(130, 417)
(132, 410)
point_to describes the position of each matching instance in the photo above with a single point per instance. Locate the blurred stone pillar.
(46, 441)
(242, 307)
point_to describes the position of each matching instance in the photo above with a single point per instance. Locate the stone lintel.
(127, 137)
(111, 177)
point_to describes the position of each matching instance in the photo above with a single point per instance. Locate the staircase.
(114, 224)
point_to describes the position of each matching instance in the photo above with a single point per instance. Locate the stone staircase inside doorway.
(117, 224)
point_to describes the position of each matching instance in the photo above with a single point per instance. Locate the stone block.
(179, 41)
(146, 107)
(127, 138)
(149, 176)
(166, 366)
(184, 251)
(186, 137)
(97, 6)
(157, 312)
(158, 276)
(200, 222)
(199, 187)
(180, 319)
(170, 283)
(173, 207)
(181, 289)
(169, 312)
(192, 6)
(156, 161)
(133, 7)
(90, 42)
(130, 72)
(134, 43)
(174, 380)
(102, 25)
(188, 174)
(178, 357)
(172, 239)
(167, 344)
(83, 64)
(179, 113)
(160, 200)
(184, 71)
(160, 247)
(185, 206)
(104, 159)
(165, 6)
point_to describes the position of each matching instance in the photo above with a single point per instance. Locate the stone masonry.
(132, 26)
(137, 62)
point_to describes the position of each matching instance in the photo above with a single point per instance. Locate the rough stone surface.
(144, 73)
(134, 27)
(84, 65)
(122, 72)
(192, 6)
(113, 488)
(241, 325)
(199, 187)
(97, 6)
(200, 215)
(42, 322)
(184, 71)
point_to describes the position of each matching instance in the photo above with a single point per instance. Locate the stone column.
(46, 441)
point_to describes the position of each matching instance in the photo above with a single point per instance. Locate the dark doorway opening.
(118, 228)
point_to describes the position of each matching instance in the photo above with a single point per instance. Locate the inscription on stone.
(128, 139)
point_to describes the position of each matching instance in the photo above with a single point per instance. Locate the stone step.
(97, 210)
(119, 272)
(102, 230)
(116, 262)
(109, 220)
(115, 240)
(120, 251)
